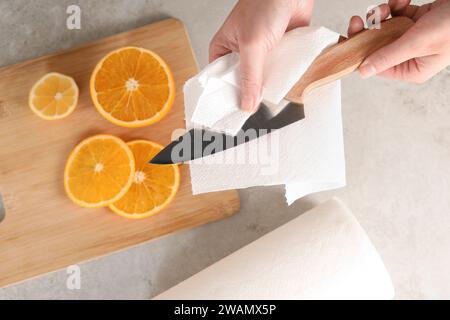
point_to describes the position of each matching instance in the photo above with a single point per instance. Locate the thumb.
(252, 72)
(388, 56)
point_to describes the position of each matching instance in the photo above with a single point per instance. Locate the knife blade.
(199, 143)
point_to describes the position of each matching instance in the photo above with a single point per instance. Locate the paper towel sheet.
(307, 156)
(323, 254)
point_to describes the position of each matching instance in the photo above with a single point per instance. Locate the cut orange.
(132, 87)
(154, 186)
(99, 171)
(54, 96)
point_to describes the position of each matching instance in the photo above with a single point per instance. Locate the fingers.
(397, 6)
(356, 25)
(406, 71)
(252, 69)
(218, 47)
(422, 10)
(252, 66)
(406, 9)
(302, 14)
(410, 12)
(383, 10)
(414, 57)
(389, 56)
(416, 70)
(217, 50)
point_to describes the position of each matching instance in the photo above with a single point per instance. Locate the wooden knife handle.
(346, 56)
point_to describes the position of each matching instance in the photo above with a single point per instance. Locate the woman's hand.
(253, 28)
(421, 52)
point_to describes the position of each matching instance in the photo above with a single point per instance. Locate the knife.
(332, 64)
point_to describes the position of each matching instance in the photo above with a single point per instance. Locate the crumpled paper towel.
(322, 254)
(307, 156)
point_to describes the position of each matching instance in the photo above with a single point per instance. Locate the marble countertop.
(397, 142)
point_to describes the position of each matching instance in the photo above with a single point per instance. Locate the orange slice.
(54, 96)
(99, 171)
(132, 87)
(154, 186)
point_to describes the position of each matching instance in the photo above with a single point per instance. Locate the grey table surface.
(397, 142)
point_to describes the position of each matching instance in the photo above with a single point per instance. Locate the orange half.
(132, 87)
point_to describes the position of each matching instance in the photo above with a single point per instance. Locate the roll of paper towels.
(322, 254)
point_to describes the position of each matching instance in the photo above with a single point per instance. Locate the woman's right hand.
(422, 52)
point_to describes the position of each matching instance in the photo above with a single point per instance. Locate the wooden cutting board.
(43, 230)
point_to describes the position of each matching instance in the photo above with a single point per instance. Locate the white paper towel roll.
(323, 254)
